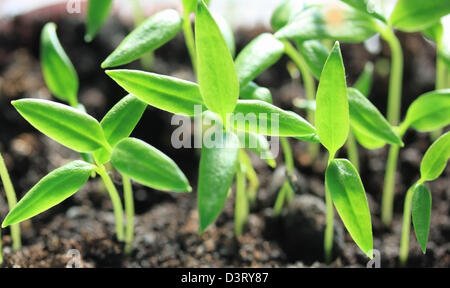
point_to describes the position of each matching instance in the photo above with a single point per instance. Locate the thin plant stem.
(190, 42)
(12, 201)
(289, 160)
(328, 241)
(352, 149)
(116, 202)
(406, 228)
(282, 195)
(139, 17)
(310, 88)
(253, 181)
(393, 116)
(441, 79)
(129, 212)
(241, 204)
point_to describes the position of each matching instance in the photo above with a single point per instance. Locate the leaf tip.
(88, 38)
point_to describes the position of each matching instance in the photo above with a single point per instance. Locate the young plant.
(108, 141)
(217, 91)
(418, 198)
(12, 200)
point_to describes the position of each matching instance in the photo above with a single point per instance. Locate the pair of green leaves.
(431, 167)
(342, 179)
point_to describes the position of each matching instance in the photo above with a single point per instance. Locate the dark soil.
(166, 224)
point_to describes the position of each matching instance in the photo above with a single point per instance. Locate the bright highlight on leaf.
(59, 73)
(64, 124)
(332, 111)
(147, 37)
(219, 85)
(421, 214)
(147, 165)
(51, 190)
(349, 198)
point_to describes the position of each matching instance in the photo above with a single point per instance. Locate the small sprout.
(59, 73)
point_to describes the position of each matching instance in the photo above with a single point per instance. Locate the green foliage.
(59, 73)
(364, 82)
(147, 165)
(334, 21)
(363, 6)
(421, 214)
(64, 124)
(227, 32)
(147, 37)
(54, 188)
(164, 92)
(98, 11)
(258, 144)
(435, 159)
(332, 111)
(365, 119)
(217, 77)
(217, 169)
(429, 111)
(252, 91)
(289, 123)
(315, 54)
(349, 198)
(261, 53)
(416, 15)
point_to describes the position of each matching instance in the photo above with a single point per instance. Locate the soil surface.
(166, 223)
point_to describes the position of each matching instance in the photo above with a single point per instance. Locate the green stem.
(116, 202)
(393, 116)
(328, 242)
(241, 204)
(129, 212)
(139, 17)
(406, 227)
(310, 88)
(289, 160)
(12, 201)
(387, 204)
(252, 177)
(352, 149)
(190, 42)
(441, 79)
(282, 195)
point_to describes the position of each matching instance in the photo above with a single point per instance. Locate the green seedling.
(108, 141)
(12, 200)
(418, 198)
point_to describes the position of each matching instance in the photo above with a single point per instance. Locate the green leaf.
(283, 13)
(332, 111)
(147, 165)
(217, 77)
(217, 169)
(266, 119)
(59, 74)
(147, 37)
(335, 21)
(120, 121)
(364, 82)
(261, 53)
(416, 15)
(435, 159)
(227, 32)
(367, 141)
(164, 92)
(440, 33)
(315, 54)
(366, 119)
(368, 7)
(421, 214)
(349, 198)
(98, 11)
(51, 190)
(64, 124)
(252, 91)
(429, 111)
(257, 144)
